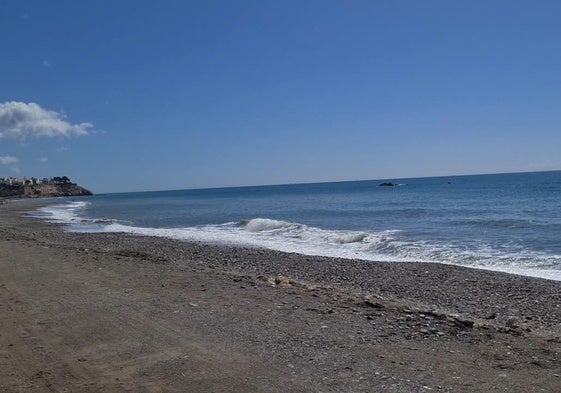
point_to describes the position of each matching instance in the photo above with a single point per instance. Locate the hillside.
(43, 190)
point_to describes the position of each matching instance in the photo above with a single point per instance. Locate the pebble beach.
(117, 312)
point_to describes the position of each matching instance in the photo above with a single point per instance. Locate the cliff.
(42, 190)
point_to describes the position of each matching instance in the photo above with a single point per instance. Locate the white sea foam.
(382, 246)
(63, 214)
(276, 235)
(288, 236)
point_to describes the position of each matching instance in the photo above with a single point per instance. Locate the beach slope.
(115, 312)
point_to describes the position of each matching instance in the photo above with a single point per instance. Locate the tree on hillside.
(61, 180)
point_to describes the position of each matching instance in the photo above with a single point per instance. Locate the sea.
(503, 222)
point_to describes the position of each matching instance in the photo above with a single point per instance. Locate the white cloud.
(46, 64)
(19, 120)
(43, 159)
(8, 160)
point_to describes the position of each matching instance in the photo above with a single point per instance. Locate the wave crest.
(267, 224)
(348, 237)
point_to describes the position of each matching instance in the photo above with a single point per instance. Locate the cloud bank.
(19, 120)
(8, 160)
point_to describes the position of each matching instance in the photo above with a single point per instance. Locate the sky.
(144, 95)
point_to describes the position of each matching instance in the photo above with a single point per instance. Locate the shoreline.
(275, 321)
(547, 274)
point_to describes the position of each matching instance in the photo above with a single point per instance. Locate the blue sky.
(143, 95)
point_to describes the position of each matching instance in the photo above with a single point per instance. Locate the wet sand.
(116, 312)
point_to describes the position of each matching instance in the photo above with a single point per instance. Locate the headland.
(58, 186)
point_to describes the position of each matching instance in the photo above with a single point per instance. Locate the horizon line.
(325, 182)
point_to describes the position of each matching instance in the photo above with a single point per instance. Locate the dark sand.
(114, 313)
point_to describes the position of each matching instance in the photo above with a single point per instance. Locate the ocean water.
(504, 222)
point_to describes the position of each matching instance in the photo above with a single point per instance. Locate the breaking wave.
(388, 245)
(61, 214)
(265, 224)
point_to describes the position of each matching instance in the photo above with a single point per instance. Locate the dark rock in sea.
(387, 184)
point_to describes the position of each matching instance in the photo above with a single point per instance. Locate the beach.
(117, 312)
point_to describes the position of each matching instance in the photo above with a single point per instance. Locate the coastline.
(107, 311)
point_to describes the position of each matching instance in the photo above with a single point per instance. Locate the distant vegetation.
(16, 187)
